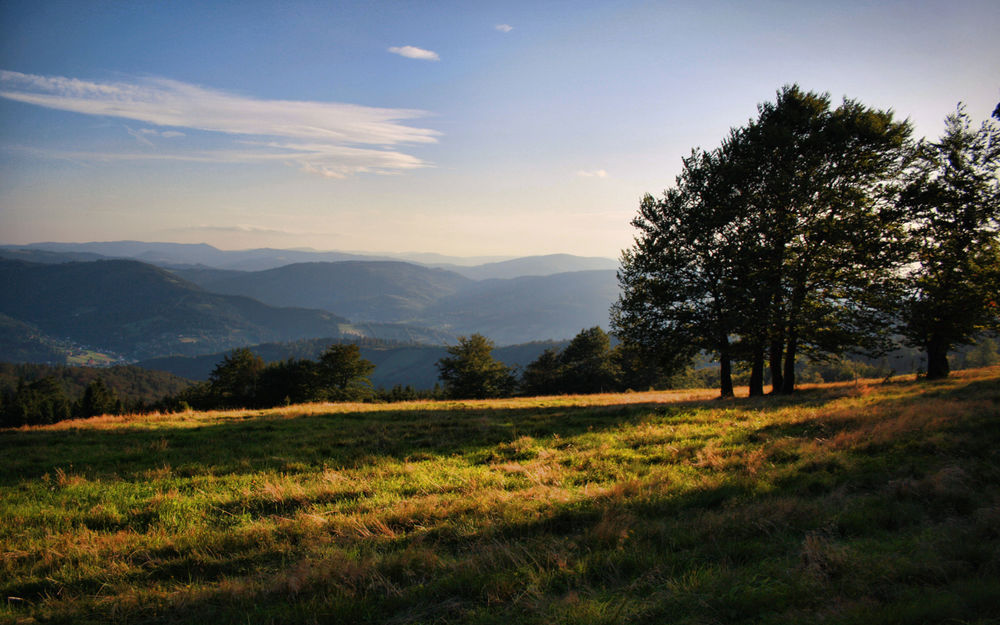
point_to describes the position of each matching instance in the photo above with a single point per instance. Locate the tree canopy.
(470, 371)
(953, 200)
(783, 239)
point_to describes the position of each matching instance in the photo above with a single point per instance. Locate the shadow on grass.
(727, 550)
(272, 442)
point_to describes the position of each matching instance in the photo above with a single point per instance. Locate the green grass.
(89, 357)
(847, 503)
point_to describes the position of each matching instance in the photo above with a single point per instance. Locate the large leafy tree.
(470, 371)
(820, 187)
(782, 240)
(953, 195)
(677, 281)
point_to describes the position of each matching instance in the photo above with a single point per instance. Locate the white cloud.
(504, 28)
(238, 229)
(328, 138)
(167, 134)
(413, 52)
(597, 173)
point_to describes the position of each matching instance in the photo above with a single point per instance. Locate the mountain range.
(139, 310)
(175, 255)
(59, 294)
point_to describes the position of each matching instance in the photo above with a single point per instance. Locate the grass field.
(853, 503)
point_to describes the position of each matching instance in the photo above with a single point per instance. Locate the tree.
(233, 382)
(471, 372)
(41, 402)
(587, 363)
(342, 374)
(784, 239)
(98, 399)
(543, 376)
(290, 381)
(821, 192)
(953, 195)
(676, 281)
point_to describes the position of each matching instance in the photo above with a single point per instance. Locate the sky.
(460, 128)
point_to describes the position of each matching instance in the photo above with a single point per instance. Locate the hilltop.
(846, 503)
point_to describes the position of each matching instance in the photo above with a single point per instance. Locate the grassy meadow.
(852, 503)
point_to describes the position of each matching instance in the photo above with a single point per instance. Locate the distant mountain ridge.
(140, 310)
(195, 255)
(381, 291)
(125, 309)
(509, 311)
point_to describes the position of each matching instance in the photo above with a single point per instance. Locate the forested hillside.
(139, 310)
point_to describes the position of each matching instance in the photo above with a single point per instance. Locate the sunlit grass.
(856, 502)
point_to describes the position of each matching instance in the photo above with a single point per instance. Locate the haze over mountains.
(181, 254)
(192, 300)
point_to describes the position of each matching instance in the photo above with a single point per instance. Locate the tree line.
(817, 230)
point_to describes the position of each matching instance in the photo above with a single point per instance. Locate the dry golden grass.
(604, 508)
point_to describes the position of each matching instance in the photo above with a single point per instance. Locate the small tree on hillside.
(953, 194)
(587, 363)
(98, 399)
(543, 376)
(233, 382)
(471, 372)
(342, 374)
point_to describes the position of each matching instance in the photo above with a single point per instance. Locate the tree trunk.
(777, 378)
(788, 379)
(757, 371)
(937, 359)
(725, 370)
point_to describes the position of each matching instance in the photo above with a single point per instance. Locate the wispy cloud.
(504, 28)
(597, 173)
(329, 138)
(166, 134)
(237, 229)
(413, 52)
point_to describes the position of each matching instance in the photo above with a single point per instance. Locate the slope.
(850, 504)
(142, 311)
(381, 291)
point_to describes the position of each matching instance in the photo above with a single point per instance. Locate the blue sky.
(453, 127)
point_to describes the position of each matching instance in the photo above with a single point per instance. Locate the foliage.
(137, 387)
(784, 238)
(848, 504)
(342, 374)
(98, 399)
(586, 365)
(234, 381)
(543, 376)
(470, 371)
(242, 379)
(37, 403)
(953, 195)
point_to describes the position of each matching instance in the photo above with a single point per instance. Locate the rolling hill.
(381, 291)
(509, 311)
(140, 310)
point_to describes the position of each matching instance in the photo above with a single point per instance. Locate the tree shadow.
(273, 442)
(693, 531)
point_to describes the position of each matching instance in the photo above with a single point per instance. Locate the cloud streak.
(504, 28)
(329, 138)
(413, 52)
